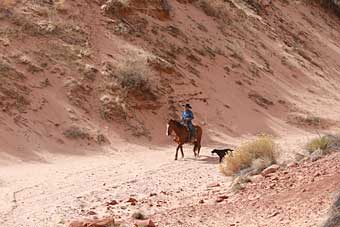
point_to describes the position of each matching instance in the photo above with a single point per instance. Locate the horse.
(182, 136)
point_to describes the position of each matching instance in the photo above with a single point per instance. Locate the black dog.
(222, 152)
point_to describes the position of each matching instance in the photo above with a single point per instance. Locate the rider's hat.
(187, 105)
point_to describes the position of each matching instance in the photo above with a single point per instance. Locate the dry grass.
(74, 132)
(331, 4)
(139, 215)
(133, 71)
(256, 155)
(112, 108)
(321, 143)
(214, 8)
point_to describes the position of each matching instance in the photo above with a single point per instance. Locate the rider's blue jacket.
(187, 115)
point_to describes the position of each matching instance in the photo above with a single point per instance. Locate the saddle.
(192, 134)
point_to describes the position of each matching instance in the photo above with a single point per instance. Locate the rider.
(187, 117)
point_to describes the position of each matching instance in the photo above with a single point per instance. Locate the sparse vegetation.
(321, 143)
(112, 107)
(325, 143)
(313, 120)
(74, 132)
(214, 8)
(139, 216)
(334, 219)
(331, 4)
(133, 71)
(255, 155)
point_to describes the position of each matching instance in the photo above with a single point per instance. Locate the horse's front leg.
(198, 150)
(182, 151)
(176, 156)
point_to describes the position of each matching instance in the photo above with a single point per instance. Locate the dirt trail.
(173, 193)
(51, 193)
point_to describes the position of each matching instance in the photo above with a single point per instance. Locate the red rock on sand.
(132, 200)
(270, 169)
(112, 203)
(292, 164)
(214, 185)
(146, 223)
(104, 222)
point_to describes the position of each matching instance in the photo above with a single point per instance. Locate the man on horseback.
(187, 117)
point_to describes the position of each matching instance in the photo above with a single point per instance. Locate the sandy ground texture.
(188, 192)
(52, 193)
(68, 119)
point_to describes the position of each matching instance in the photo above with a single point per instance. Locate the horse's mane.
(178, 123)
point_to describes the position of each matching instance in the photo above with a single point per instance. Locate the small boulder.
(91, 212)
(316, 155)
(292, 165)
(112, 203)
(145, 223)
(256, 178)
(270, 169)
(214, 185)
(132, 200)
(103, 222)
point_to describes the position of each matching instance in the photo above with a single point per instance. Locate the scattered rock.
(270, 169)
(91, 212)
(145, 223)
(132, 201)
(214, 185)
(201, 201)
(112, 203)
(273, 214)
(292, 165)
(221, 198)
(256, 178)
(24, 59)
(316, 155)
(90, 72)
(104, 222)
(317, 174)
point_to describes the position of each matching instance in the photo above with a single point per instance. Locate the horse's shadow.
(206, 159)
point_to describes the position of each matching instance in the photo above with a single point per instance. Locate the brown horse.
(182, 136)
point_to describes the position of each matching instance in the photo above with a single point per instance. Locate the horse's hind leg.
(182, 151)
(195, 147)
(176, 156)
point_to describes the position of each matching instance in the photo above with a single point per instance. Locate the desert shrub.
(334, 219)
(139, 216)
(313, 120)
(74, 132)
(112, 108)
(133, 71)
(256, 155)
(331, 4)
(214, 8)
(115, 6)
(320, 143)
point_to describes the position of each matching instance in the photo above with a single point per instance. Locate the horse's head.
(169, 127)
